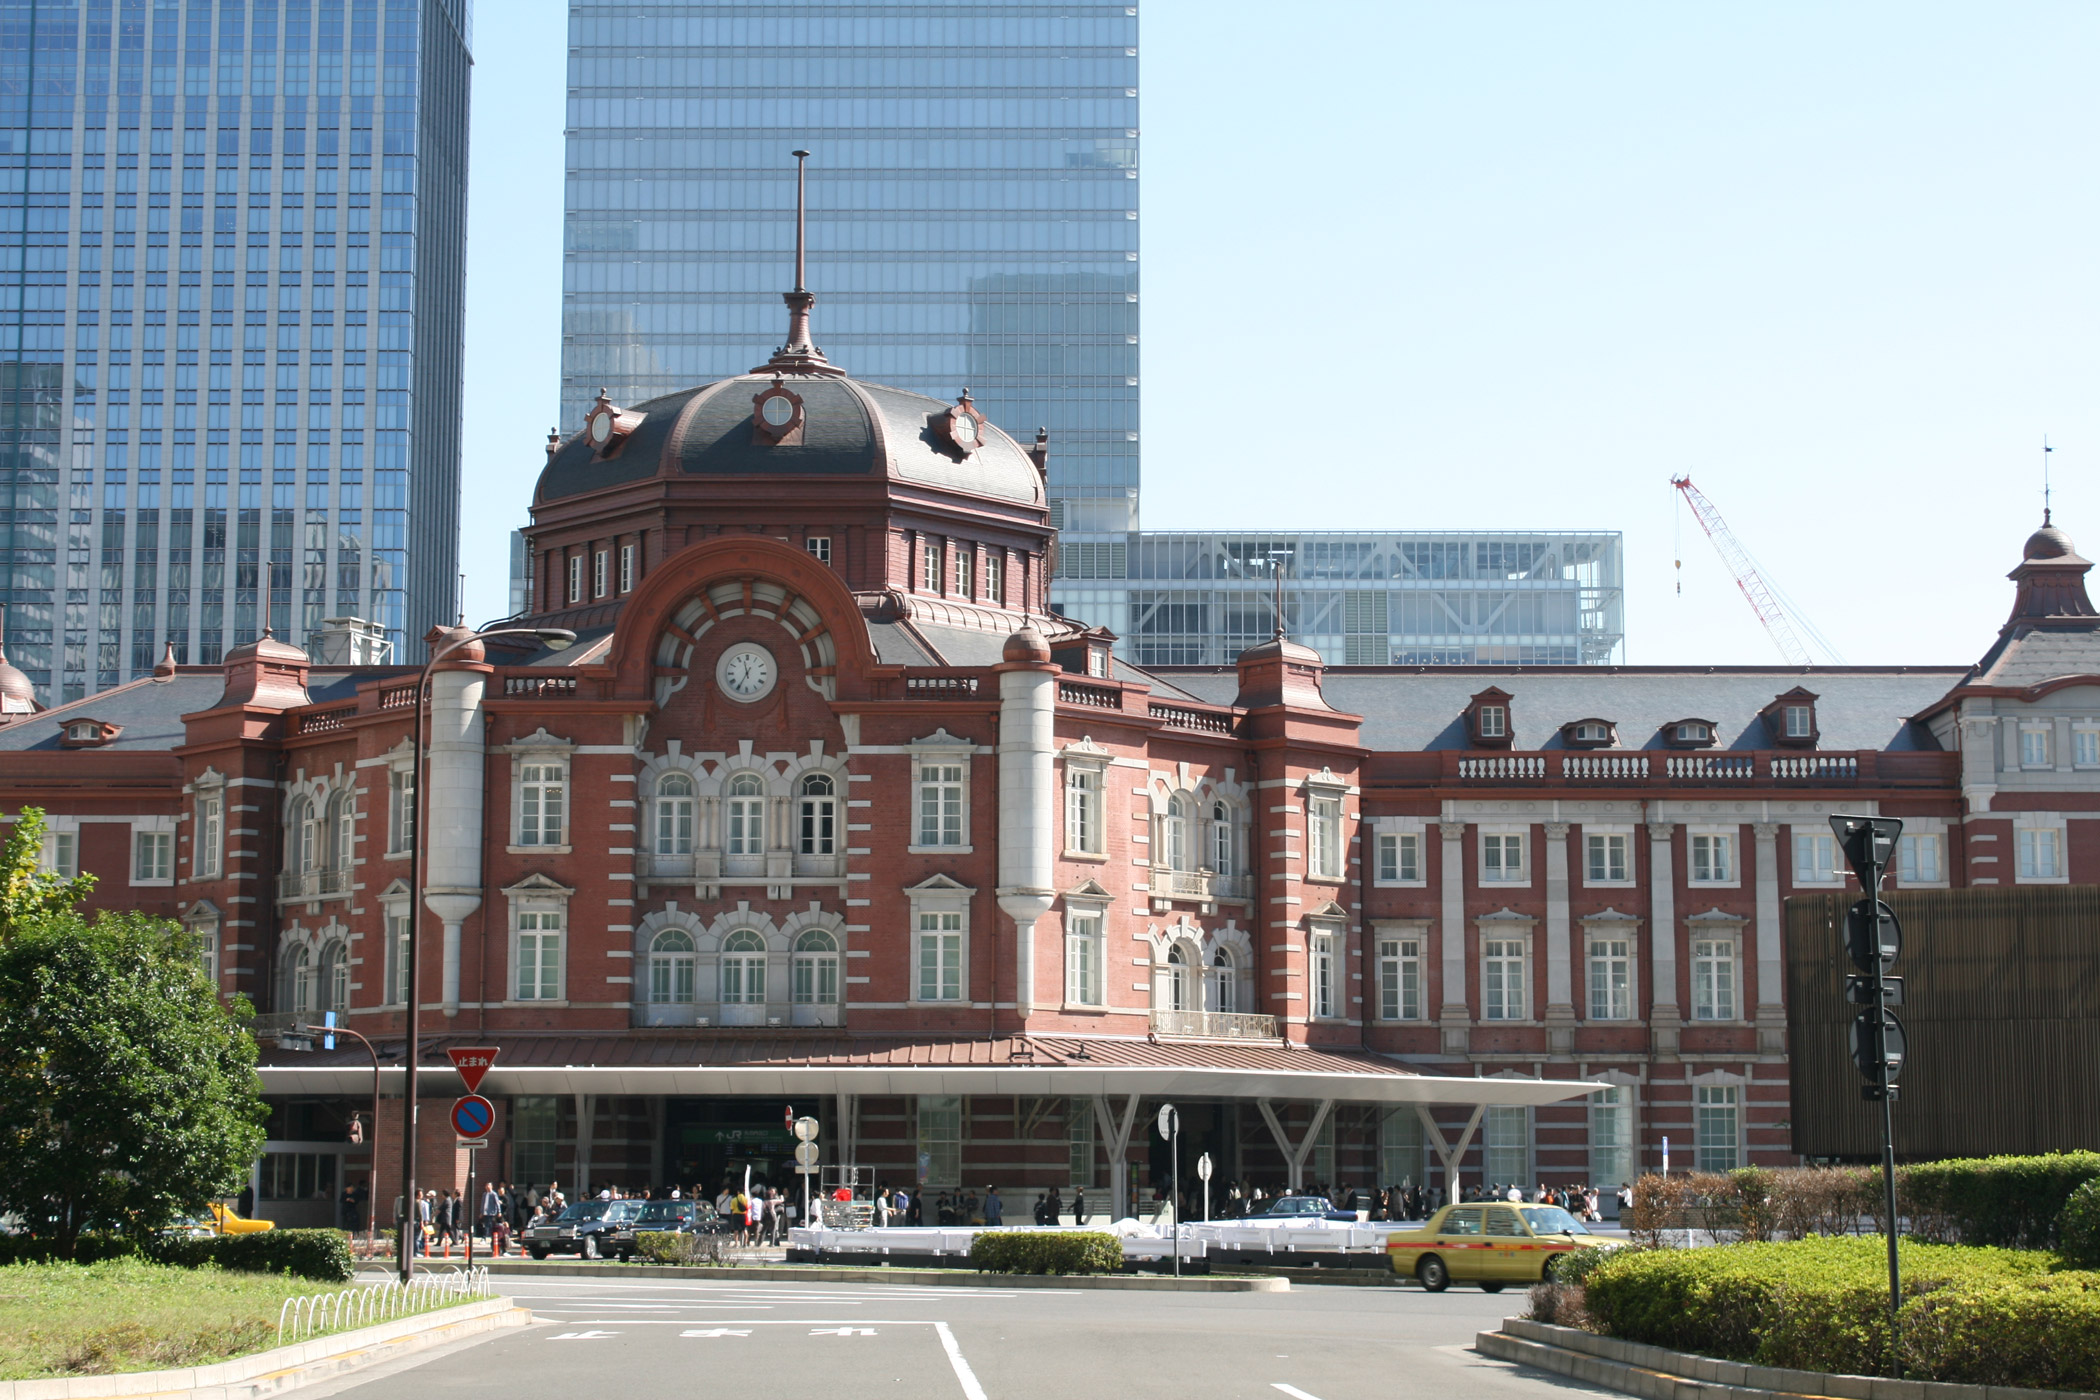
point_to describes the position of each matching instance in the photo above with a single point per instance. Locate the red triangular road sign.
(472, 1063)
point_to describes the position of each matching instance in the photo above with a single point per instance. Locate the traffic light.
(1874, 940)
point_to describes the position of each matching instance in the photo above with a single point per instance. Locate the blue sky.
(1514, 265)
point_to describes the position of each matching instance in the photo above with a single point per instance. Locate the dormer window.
(1800, 722)
(608, 425)
(1488, 719)
(1695, 731)
(1097, 660)
(1791, 719)
(86, 733)
(776, 415)
(1494, 721)
(1589, 734)
(963, 426)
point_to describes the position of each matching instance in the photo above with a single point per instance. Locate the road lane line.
(1293, 1391)
(971, 1389)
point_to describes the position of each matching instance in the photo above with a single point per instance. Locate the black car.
(1301, 1208)
(581, 1229)
(671, 1217)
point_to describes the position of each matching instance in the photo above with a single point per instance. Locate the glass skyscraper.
(232, 250)
(972, 209)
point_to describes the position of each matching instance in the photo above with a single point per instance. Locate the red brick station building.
(826, 808)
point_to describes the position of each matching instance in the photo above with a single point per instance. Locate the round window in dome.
(965, 429)
(778, 411)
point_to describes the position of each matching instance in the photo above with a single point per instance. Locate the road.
(641, 1339)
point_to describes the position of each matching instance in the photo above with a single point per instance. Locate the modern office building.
(973, 209)
(233, 262)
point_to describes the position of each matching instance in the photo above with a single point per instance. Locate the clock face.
(601, 428)
(746, 671)
(965, 429)
(778, 410)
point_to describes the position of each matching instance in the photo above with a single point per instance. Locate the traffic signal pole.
(1888, 1120)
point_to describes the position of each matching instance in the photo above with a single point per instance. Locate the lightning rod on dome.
(2046, 450)
(800, 355)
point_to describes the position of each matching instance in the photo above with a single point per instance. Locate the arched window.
(1224, 842)
(816, 968)
(340, 853)
(335, 979)
(299, 980)
(301, 839)
(1224, 983)
(818, 816)
(671, 961)
(1177, 980)
(1175, 833)
(747, 815)
(674, 815)
(744, 967)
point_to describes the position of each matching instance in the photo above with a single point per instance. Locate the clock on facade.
(746, 672)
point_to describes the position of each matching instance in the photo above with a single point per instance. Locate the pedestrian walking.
(491, 1208)
(994, 1208)
(1079, 1207)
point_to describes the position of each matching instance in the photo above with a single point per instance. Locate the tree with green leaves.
(128, 1092)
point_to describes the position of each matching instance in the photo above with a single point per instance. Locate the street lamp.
(557, 639)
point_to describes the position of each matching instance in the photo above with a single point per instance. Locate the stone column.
(1771, 1011)
(1560, 968)
(455, 766)
(1454, 1015)
(1664, 1018)
(1028, 808)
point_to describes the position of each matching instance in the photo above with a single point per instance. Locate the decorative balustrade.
(1182, 884)
(1214, 1025)
(1606, 767)
(1201, 721)
(398, 697)
(539, 687)
(1823, 767)
(1099, 697)
(1656, 768)
(322, 882)
(1233, 886)
(1711, 767)
(1502, 767)
(940, 687)
(323, 721)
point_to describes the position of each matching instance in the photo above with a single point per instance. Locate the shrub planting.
(2078, 1227)
(2011, 1201)
(673, 1247)
(315, 1254)
(1046, 1252)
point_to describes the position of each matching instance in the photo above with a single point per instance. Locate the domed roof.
(1027, 646)
(2049, 542)
(849, 429)
(267, 648)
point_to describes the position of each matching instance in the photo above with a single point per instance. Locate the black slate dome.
(849, 429)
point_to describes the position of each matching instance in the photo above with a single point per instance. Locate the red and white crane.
(1782, 621)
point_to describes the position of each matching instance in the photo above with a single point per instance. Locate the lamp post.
(557, 639)
(303, 1041)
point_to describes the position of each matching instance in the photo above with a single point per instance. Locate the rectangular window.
(1919, 860)
(1713, 859)
(1400, 979)
(994, 577)
(627, 568)
(1323, 999)
(60, 854)
(1494, 722)
(539, 955)
(930, 575)
(297, 1176)
(397, 965)
(1611, 979)
(401, 810)
(598, 574)
(535, 1122)
(1323, 820)
(1501, 858)
(2085, 747)
(1800, 722)
(1400, 1147)
(965, 566)
(940, 956)
(1083, 959)
(1815, 861)
(1607, 852)
(2034, 748)
(1611, 1139)
(1083, 827)
(2040, 853)
(542, 799)
(941, 804)
(1502, 979)
(211, 831)
(819, 547)
(1506, 1147)
(940, 1140)
(1400, 857)
(576, 578)
(152, 856)
(1713, 979)
(1718, 1127)
(1079, 1141)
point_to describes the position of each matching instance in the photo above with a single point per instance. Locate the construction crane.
(1782, 619)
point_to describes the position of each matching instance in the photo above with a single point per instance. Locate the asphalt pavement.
(640, 1339)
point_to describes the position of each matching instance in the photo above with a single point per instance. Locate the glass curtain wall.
(232, 240)
(972, 196)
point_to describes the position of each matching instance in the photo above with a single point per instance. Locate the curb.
(281, 1368)
(1655, 1373)
(940, 1278)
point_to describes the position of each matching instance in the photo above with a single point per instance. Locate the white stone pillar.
(1560, 967)
(1664, 1019)
(1454, 1016)
(455, 768)
(1771, 1011)
(1027, 804)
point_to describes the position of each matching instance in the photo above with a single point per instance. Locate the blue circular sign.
(473, 1116)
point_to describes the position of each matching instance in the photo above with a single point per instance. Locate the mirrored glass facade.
(973, 209)
(232, 236)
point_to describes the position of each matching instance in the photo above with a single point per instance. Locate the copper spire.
(800, 355)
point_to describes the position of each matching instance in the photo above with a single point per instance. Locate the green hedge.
(2010, 1201)
(1046, 1252)
(315, 1254)
(1976, 1316)
(2078, 1227)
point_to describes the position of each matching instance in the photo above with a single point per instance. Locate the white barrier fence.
(1141, 1242)
(366, 1303)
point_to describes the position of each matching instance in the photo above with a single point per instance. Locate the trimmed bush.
(674, 1247)
(2010, 1201)
(2078, 1227)
(315, 1254)
(1975, 1316)
(1046, 1252)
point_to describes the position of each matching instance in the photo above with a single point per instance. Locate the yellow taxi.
(1491, 1243)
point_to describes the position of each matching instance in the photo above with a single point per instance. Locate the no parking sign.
(473, 1116)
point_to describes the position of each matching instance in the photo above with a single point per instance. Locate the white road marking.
(717, 1332)
(580, 1336)
(843, 1332)
(1293, 1391)
(963, 1374)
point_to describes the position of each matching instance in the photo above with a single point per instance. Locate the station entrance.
(709, 1142)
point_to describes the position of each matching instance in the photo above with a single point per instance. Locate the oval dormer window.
(778, 410)
(1694, 733)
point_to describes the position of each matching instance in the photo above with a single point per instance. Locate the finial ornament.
(2046, 450)
(800, 355)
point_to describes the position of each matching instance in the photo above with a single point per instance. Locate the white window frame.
(1798, 721)
(814, 975)
(2085, 745)
(965, 571)
(940, 909)
(1611, 976)
(393, 938)
(2033, 840)
(930, 761)
(601, 572)
(1915, 873)
(751, 984)
(1326, 846)
(1501, 950)
(60, 851)
(817, 816)
(1502, 835)
(2037, 746)
(208, 840)
(818, 547)
(152, 854)
(1815, 859)
(1324, 966)
(744, 815)
(1221, 982)
(1601, 847)
(1717, 976)
(1730, 872)
(534, 921)
(401, 808)
(673, 973)
(626, 568)
(673, 818)
(1085, 815)
(203, 922)
(526, 774)
(1611, 1137)
(1086, 950)
(1712, 1106)
(1398, 849)
(930, 576)
(1693, 731)
(995, 577)
(1493, 721)
(1403, 988)
(575, 578)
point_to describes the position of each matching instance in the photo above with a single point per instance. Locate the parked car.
(1490, 1244)
(581, 1229)
(1301, 1210)
(671, 1217)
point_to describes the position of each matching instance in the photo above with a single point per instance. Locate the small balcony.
(1182, 884)
(1214, 1025)
(322, 882)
